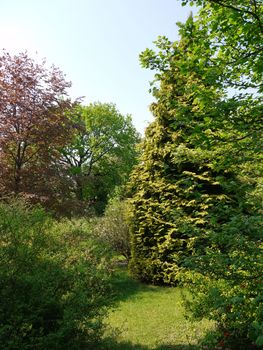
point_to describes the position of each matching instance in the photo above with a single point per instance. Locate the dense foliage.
(56, 152)
(101, 154)
(33, 102)
(197, 191)
(235, 30)
(54, 282)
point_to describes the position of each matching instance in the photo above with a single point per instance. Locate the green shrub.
(226, 284)
(113, 227)
(54, 282)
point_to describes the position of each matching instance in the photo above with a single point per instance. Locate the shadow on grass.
(125, 287)
(177, 347)
(112, 344)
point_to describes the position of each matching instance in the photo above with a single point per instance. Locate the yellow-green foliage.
(197, 191)
(180, 181)
(179, 197)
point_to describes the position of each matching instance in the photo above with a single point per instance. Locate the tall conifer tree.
(187, 185)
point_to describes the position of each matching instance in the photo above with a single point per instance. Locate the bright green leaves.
(197, 190)
(101, 154)
(235, 35)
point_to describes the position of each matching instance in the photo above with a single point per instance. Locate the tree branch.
(251, 13)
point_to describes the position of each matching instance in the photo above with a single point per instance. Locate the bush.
(113, 227)
(54, 282)
(226, 284)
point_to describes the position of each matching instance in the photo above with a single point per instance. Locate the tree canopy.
(101, 153)
(235, 34)
(54, 151)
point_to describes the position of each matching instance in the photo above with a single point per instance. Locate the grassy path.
(151, 318)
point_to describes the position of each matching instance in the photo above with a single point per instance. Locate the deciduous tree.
(102, 152)
(33, 124)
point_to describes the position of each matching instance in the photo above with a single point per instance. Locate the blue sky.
(96, 43)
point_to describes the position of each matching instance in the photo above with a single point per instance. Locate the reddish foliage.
(33, 123)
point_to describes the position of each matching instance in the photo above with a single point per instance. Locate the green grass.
(151, 317)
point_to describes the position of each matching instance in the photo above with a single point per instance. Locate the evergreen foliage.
(178, 180)
(197, 191)
(186, 184)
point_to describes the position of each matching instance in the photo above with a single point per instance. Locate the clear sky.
(96, 43)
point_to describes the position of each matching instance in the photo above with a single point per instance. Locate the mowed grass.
(151, 317)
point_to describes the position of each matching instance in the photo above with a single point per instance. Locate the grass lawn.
(151, 317)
